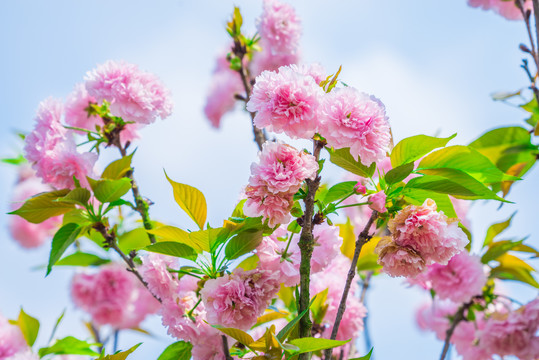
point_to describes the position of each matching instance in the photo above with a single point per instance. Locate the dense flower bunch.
(112, 296)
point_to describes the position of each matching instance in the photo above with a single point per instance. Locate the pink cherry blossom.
(428, 232)
(76, 114)
(314, 70)
(63, 163)
(265, 60)
(225, 83)
(505, 8)
(210, 349)
(461, 279)
(236, 300)
(279, 27)
(399, 260)
(154, 270)
(11, 339)
(360, 189)
(286, 102)
(327, 246)
(378, 202)
(435, 317)
(48, 130)
(513, 333)
(281, 168)
(270, 254)
(272, 207)
(134, 95)
(30, 235)
(355, 120)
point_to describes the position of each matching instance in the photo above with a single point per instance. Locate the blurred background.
(433, 63)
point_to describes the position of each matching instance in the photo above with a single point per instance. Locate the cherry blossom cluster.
(420, 236)
(112, 296)
(135, 96)
(279, 29)
(275, 178)
(500, 330)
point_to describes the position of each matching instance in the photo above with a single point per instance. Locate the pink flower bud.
(359, 188)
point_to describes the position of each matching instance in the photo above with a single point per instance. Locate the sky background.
(433, 64)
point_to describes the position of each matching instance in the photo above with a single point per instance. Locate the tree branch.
(362, 239)
(306, 245)
(225, 348)
(459, 316)
(142, 206)
(110, 240)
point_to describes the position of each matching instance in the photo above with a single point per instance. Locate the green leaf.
(514, 273)
(180, 350)
(285, 331)
(366, 357)
(110, 190)
(342, 158)
(191, 200)
(369, 262)
(14, 161)
(236, 334)
(310, 344)
(244, 242)
(43, 206)
(495, 229)
(208, 240)
(443, 202)
(76, 196)
(172, 233)
(466, 159)
(135, 239)
(339, 191)
(117, 169)
(173, 249)
(249, 263)
(120, 355)
(414, 147)
(69, 346)
(453, 182)
(497, 249)
(319, 307)
(399, 173)
(29, 327)
(81, 259)
(63, 238)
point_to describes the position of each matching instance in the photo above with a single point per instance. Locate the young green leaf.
(78, 196)
(191, 200)
(179, 350)
(497, 249)
(63, 238)
(135, 239)
(495, 229)
(244, 242)
(343, 159)
(173, 248)
(208, 240)
(120, 355)
(81, 259)
(29, 327)
(119, 168)
(310, 344)
(43, 206)
(366, 357)
(110, 190)
(414, 147)
(172, 233)
(236, 334)
(69, 346)
(443, 202)
(249, 263)
(339, 191)
(399, 173)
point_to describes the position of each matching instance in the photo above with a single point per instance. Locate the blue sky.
(433, 64)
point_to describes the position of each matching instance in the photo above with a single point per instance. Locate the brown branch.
(362, 239)
(225, 348)
(110, 241)
(142, 206)
(459, 316)
(306, 245)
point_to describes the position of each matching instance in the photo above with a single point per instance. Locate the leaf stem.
(362, 239)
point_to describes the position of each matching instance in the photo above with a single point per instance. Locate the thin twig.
(142, 206)
(459, 316)
(116, 335)
(362, 239)
(225, 348)
(110, 239)
(306, 245)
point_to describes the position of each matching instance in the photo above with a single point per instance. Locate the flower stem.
(306, 245)
(362, 239)
(225, 348)
(459, 316)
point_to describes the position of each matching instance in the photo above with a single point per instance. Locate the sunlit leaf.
(43, 206)
(122, 355)
(173, 249)
(69, 346)
(244, 242)
(110, 190)
(29, 327)
(496, 229)
(414, 147)
(76, 196)
(81, 259)
(339, 191)
(118, 169)
(310, 344)
(365, 357)
(191, 200)
(63, 238)
(399, 173)
(179, 350)
(343, 159)
(346, 231)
